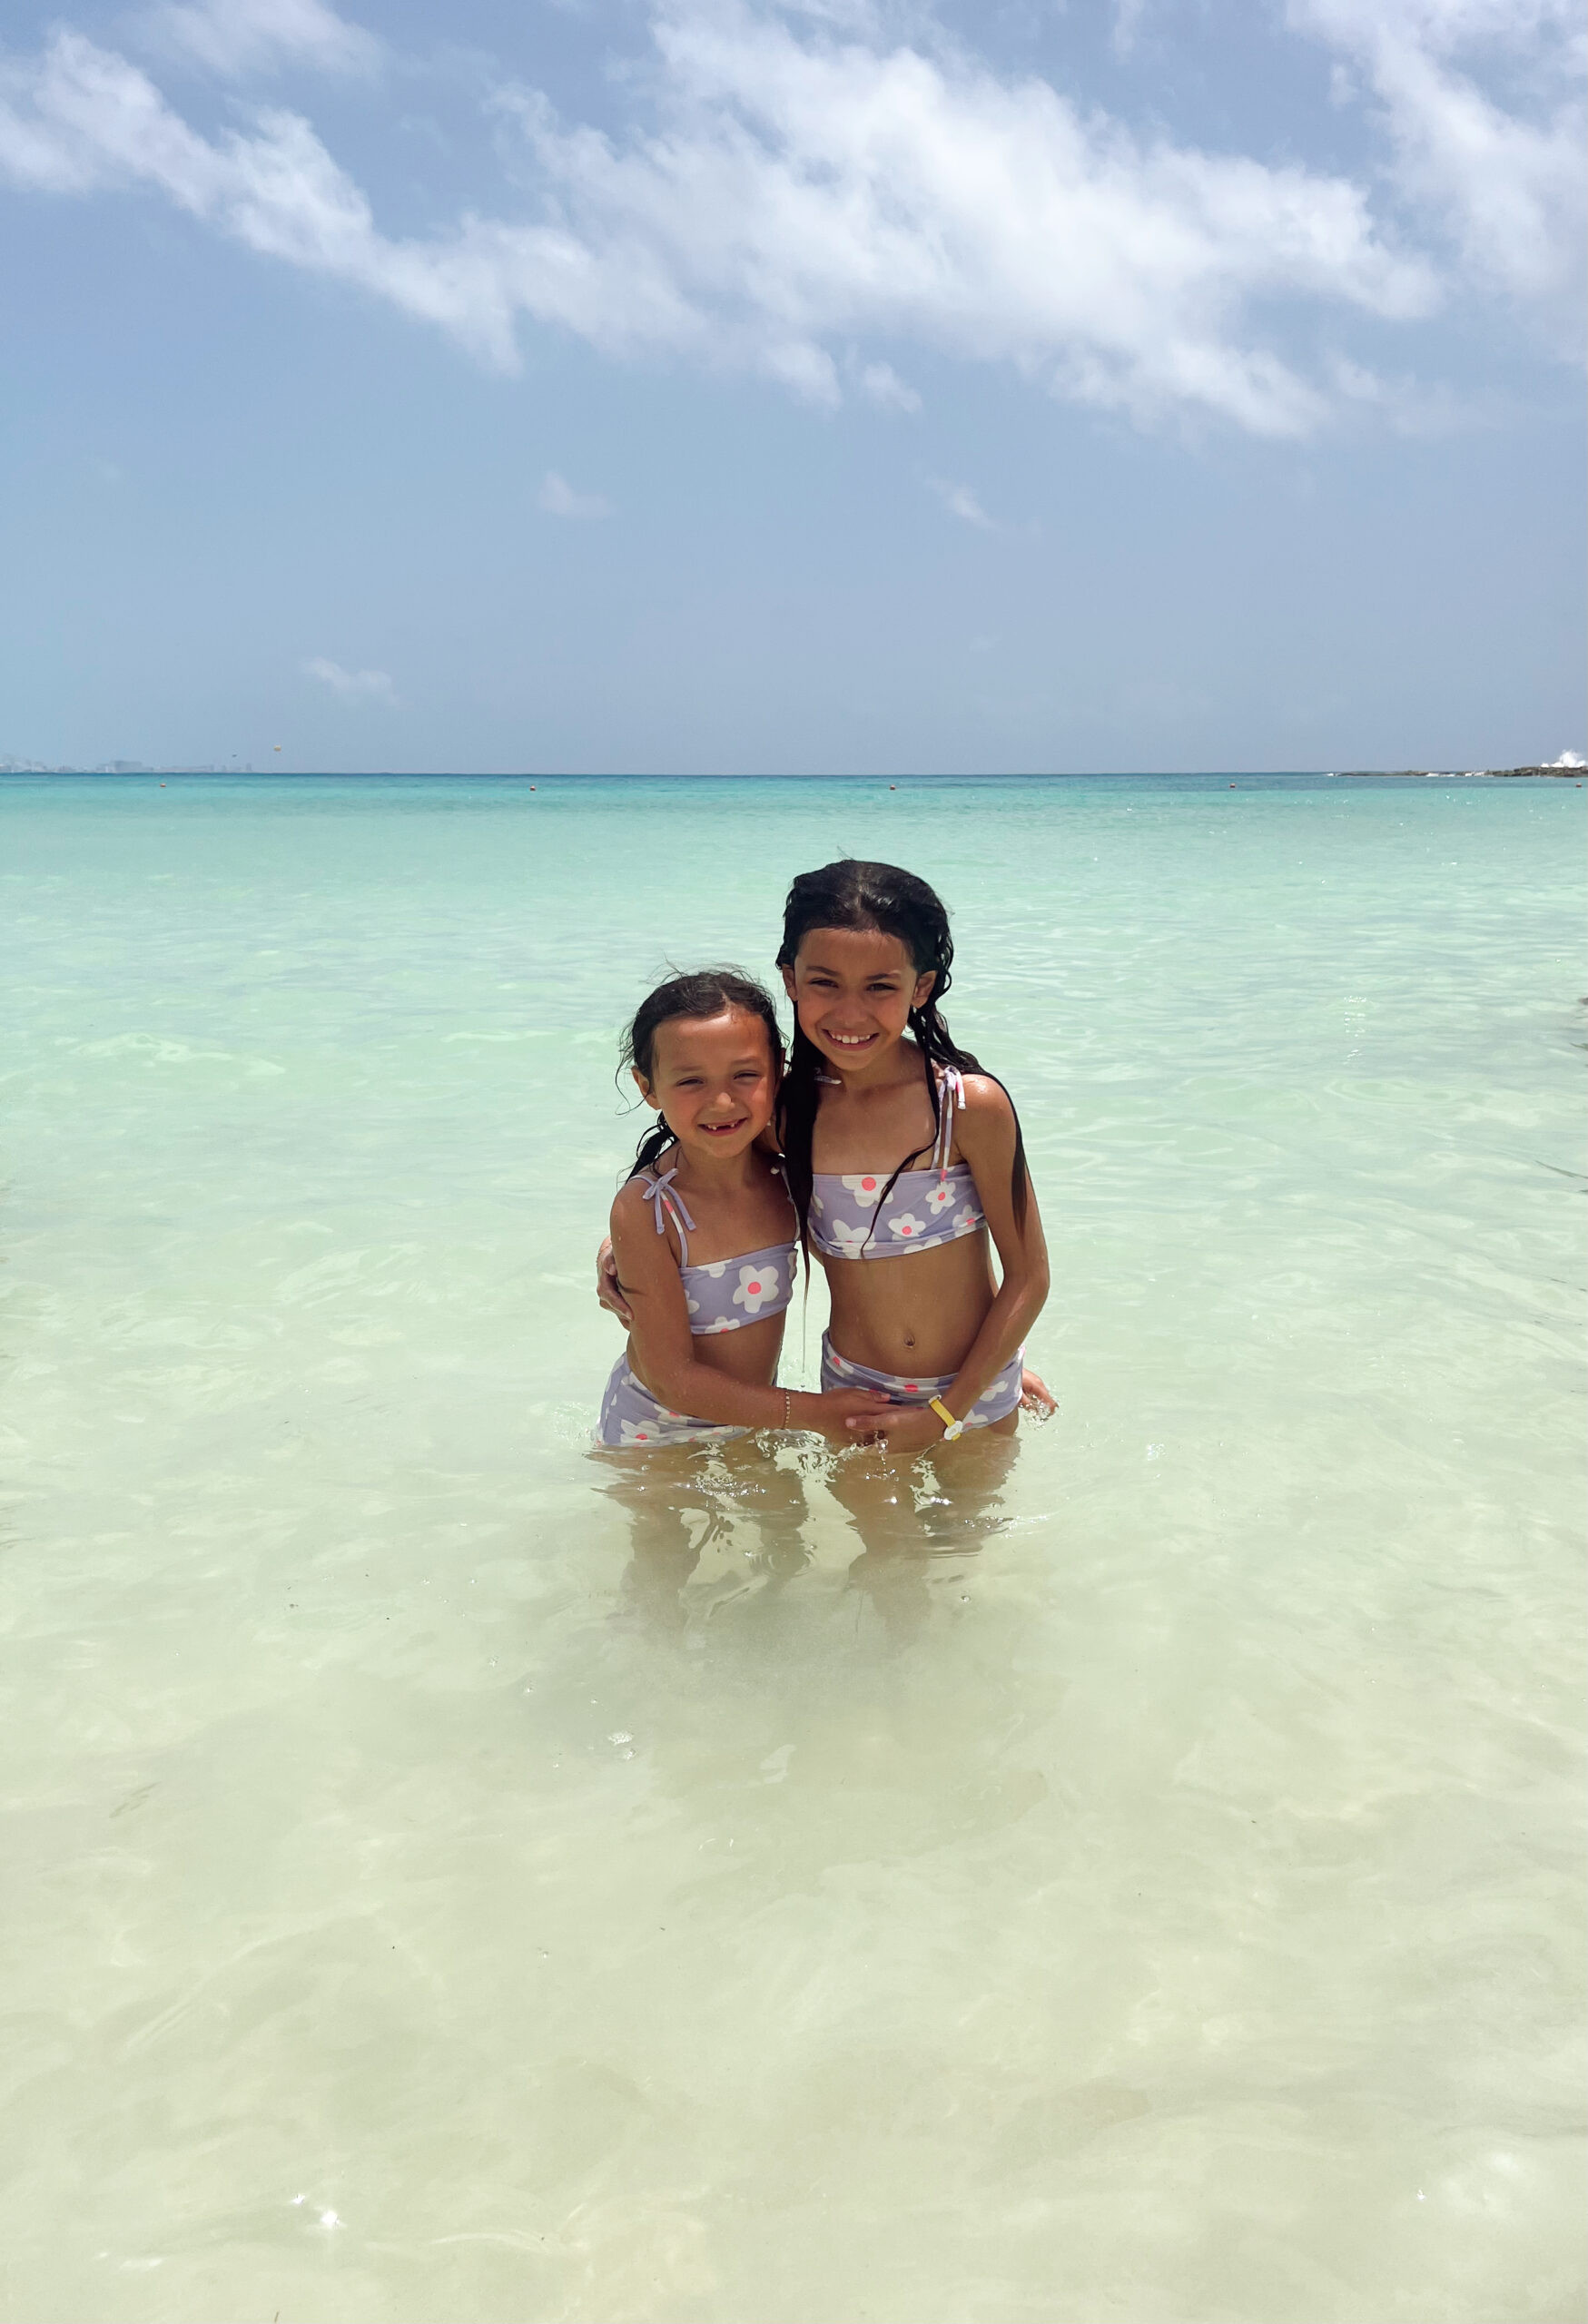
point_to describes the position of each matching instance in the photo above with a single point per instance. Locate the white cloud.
(89, 120)
(881, 384)
(352, 686)
(961, 502)
(1127, 17)
(232, 37)
(806, 193)
(558, 498)
(805, 189)
(1506, 185)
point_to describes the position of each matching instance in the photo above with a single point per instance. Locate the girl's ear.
(924, 988)
(644, 1087)
(788, 979)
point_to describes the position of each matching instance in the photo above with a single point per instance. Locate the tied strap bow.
(662, 1193)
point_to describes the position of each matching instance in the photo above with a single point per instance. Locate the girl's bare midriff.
(917, 1314)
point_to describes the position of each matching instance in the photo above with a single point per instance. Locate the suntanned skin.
(940, 1310)
(716, 1081)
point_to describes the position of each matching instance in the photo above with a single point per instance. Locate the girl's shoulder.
(985, 1122)
(634, 1208)
(983, 1098)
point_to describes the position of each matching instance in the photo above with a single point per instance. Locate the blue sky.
(826, 387)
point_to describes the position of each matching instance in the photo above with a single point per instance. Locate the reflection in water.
(714, 1522)
(686, 1504)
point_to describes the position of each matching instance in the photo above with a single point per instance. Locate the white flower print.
(817, 1204)
(907, 1226)
(639, 1431)
(865, 1186)
(967, 1219)
(939, 1198)
(716, 1268)
(756, 1286)
(850, 1240)
(722, 1323)
(693, 1304)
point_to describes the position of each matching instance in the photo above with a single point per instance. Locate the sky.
(860, 386)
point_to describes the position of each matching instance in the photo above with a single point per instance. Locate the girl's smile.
(853, 989)
(713, 1078)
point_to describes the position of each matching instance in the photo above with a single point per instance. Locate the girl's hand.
(903, 1428)
(1035, 1395)
(841, 1409)
(608, 1292)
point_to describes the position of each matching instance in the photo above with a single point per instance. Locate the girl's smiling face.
(714, 1080)
(852, 989)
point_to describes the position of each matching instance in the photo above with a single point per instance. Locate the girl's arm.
(608, 1290)
(984, 1131)
(662, 1347)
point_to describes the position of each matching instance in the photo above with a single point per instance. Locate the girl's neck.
(897, 1066)
(716, 1174)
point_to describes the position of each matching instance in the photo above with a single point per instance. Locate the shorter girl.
(703, 1230)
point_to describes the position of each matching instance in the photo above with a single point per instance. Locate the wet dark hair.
(894, 902)
(704, 992)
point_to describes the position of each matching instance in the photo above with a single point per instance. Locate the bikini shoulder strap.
(950, 1091)
(661, 1194)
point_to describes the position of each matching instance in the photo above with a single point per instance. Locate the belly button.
(909, 1339)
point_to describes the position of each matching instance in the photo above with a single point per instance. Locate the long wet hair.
(881, 897)
(704, 992)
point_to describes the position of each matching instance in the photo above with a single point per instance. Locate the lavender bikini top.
(925, 1207)
(725, 1294)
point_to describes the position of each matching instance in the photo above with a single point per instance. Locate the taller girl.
(905, 1162)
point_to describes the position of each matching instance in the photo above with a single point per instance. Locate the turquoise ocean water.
(1156, 1901)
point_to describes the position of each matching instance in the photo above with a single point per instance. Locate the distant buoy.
(893, 786)
(1232, 786)
(163, 786)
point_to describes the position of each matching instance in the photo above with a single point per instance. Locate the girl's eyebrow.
(820, 968)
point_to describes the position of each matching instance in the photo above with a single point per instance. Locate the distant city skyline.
(869, 386)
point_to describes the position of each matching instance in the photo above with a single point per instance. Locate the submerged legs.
(683, 1503)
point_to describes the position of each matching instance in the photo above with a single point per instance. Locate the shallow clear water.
(1157, 1902)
